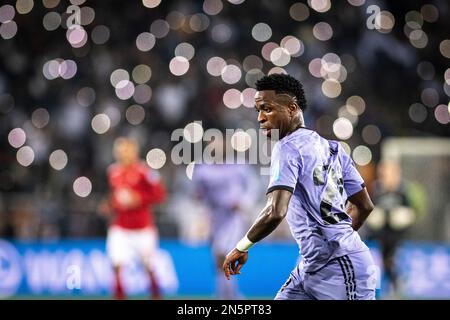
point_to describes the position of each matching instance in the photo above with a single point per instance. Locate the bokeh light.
(86, 96)
(212, 7)
(58, 159)
(429, 13)
(199, 22)
(221, 33)
(7, 13)
(444, 48)
(145, 41)
(159, 28)
(232, 98)
(447, 76)
(118, 75)
(156, 158)
(356, 3)
(280, 57)
(349, 113)
(252, 76)
(293, 45)
(346, 147)
(384, 22)
(50, 4)
(231, 74)
(362, 155)
(425, 70)
(342, 128)
(17, 137)
(25, 156)
(429, 97)
(135, 114)
(331, 88)
(248, 97)
(193, 132)
(252, 62)
(51, 21)
(322, 31)
(442, 114)
(77, 37)
(87, 15)
(241, 141)
(179, 65)
(215, 65)
(175, 19)
(100, 34)
(277, 70)
(40, 118)
(124, 89)
(357, 103)
(24, 6)
(418, 39)
(320, 5)
(417, 112)
(82, 186)
(299, 11)
(100, 123)
(371, 134)
(8, 30)
(142, 94)
(151, 3)
(185, 50)
(190, 170)
(67, 69)
(261, 32)
(141, 74)
(267, 49)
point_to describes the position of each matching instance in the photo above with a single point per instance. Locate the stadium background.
(147, 68)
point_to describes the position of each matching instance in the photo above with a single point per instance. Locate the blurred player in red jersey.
(133, 188)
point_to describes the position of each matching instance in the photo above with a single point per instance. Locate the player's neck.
(295, 126)
(127, 164)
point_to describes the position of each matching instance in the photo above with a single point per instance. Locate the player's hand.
(230, 267)
(104, 209)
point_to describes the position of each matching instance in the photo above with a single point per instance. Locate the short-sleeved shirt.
(321, 177)
(142, 180)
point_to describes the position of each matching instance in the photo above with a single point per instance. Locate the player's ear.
(292, 108)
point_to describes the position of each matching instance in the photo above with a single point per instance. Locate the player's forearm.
(268, 220)
(359, 216)
(265, 224)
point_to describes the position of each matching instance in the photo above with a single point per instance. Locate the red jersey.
(145, 183)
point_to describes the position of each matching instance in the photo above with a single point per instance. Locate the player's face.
(126, 152)
(273, 112)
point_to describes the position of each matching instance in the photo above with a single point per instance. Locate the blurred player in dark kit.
(228, 190)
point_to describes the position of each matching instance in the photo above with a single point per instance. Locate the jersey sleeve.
(155, 191)
(353, 182)
(284, 168)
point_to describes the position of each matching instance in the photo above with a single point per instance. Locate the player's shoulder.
(142, 167)
(299, 141)
(113, 167)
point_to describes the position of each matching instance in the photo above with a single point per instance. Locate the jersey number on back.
(334, 187)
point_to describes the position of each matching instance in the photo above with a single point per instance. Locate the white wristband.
(244, 244)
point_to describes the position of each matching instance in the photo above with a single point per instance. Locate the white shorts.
(125, 245)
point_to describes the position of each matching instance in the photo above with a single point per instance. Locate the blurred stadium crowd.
(146, 68)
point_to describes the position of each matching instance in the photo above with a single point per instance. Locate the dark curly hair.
(283, 83)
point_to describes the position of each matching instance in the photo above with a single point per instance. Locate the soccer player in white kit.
(315, 184)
